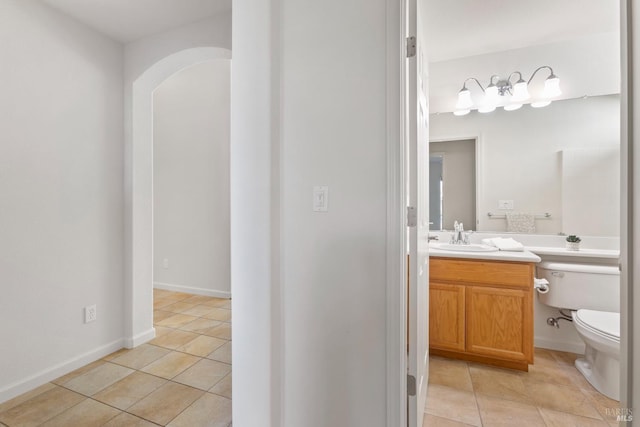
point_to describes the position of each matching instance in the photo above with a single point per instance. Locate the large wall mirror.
(559, 164)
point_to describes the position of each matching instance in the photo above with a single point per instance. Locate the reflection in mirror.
(452, 184)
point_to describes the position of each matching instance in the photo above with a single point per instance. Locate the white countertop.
(523, 256)
(582, 253)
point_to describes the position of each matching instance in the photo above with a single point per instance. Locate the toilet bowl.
(592, 292)
(600, 331)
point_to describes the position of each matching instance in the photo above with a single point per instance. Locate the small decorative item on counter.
(573, 243)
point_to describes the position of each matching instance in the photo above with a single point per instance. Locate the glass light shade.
(512, 107)
(464, 99)
(461, 112)
(520, 92)
(540, 104)
(551, 87)
(491, 99)
(486, 108)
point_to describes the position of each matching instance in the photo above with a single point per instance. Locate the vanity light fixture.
(512, 95)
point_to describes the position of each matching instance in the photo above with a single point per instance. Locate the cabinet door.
(446, 316)
(500, 323)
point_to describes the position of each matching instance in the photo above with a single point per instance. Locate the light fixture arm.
(512, 74)
(464, 85)
(538, 69)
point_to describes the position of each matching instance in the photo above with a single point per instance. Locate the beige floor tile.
(171, 365)
(41, 408)
(159, 315)
(215, 302)
(222, 354)
(544, 357)
(178, 307)
(174, 339)
(561, 419)
(204, 374)
(86, 413)
(198, 310)
(222, 331)
(164, 404)
(129, 390)
(547, 374)
(98, 378)
(141, 356)
(496, 412)
(161, 302)
(563, 399)
(226, 304)
(454, 404)
(496, 382)
(223, 387)
(565, 358)
(607, 408)
(176, 320)
(203, 346)
(210, 411)
(80, 371)
(199, 299)
(115, 354)
(162, 331)
(433, 421)
(451, 373)
(221, 314)
(26, 396)
(200, 325)
(128, 420)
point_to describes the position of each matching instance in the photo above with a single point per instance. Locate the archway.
(139, 194)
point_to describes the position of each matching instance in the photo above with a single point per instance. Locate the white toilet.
(592, 292)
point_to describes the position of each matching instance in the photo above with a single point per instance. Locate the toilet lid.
(605, 322)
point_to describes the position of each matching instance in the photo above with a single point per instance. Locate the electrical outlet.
(90, 313)
(505, 204)
(165, 263)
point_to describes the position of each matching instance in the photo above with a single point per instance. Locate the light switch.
(320, 199)
(505, 204)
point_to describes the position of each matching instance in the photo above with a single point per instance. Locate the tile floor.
(552, 394)
(181, 378)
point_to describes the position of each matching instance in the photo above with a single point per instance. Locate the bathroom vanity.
(481, 307)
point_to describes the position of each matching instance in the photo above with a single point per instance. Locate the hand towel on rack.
(520, 222)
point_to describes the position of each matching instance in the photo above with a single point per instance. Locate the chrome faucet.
(459, 237)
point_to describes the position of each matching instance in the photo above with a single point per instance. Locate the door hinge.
(411, 47)
(411, 385)
(412, 216)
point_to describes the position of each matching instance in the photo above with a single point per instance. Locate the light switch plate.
(320, 199)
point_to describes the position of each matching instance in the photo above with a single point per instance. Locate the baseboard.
(49, 374)
(140, 338)
(192, 290)
(571, 347)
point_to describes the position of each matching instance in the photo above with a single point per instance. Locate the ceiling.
(461, 28)
(129, 20)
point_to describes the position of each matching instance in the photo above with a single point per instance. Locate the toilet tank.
(575, 286)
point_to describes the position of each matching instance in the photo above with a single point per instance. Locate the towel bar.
(545, 215)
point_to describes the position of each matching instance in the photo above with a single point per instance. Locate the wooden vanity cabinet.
(482, 311)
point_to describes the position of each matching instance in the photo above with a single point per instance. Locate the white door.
(417, 139)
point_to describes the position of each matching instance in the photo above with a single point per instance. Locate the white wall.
(333, 133)
(191, 180)
(181, 47)
(520, 160)
(61, 184)
(307, 111)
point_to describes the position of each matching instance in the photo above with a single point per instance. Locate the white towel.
(503, 244)
(520, 222)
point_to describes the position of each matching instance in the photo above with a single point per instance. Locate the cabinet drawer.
(481, 272)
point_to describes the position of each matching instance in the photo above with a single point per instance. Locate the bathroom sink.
(474, 247)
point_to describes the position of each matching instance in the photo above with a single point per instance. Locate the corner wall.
(61, 167)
